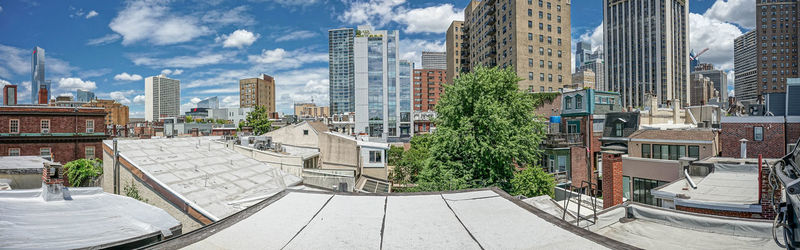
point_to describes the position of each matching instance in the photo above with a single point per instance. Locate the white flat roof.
(475, 219)
(213, 179)
(729, 187)
(21, 162)
(92, 218)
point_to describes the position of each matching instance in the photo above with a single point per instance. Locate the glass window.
(568, 102)
(758, 133)
(694, 152)
(641, 191)
(14, 126)
(89, 126)
(626, 187)
(45, 152)
(618, 131)
(646, 151)
(305, 132)
(375, 156)
(45, 125)
(13, 152)
(578, 102)
(89, 151)
(656, 152)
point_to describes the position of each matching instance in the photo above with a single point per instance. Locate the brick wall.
(766, 209)
(718, 212)
(772, 146)
(62, 151)
(578, 166)
(793, 130)
(612, 180)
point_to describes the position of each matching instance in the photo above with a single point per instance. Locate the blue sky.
(110, 46)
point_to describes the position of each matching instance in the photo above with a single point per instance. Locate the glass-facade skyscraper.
(37, 74)
(341, 74)
(209, 103)
(84, 96)
(382, 86)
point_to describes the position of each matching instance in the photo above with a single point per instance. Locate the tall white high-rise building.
(434, 60)
(382, 86)
(162, 97)
(646, 50)
(745, 67)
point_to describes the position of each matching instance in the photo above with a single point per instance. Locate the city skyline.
(219, 44)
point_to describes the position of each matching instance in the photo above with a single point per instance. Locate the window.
(13, 152)
(13, 126)
(645, 150)
(618, 130)
(44, 152)
(641, 191)
(530, 75)
(89, 151)
(626, 187)
(375, 157)
(45, 125)
(578, 102)
(89, 126)
(758, 133)
(568, 102)
(305, 131)
(694, 152)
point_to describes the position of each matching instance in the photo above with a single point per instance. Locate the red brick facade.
(718, 212)
(772, 145)
(68, 138)
(612, 180)
(428, 87)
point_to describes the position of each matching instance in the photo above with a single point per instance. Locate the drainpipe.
(116, 168)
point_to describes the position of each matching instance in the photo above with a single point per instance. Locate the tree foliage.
(395, 154)
(412, 161)
(532, 182)
(82, 172)
(131, 190)
(485, 128)
(259, 120)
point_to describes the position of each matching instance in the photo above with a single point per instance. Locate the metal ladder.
(592, 191)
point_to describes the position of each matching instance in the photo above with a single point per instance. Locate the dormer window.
(578, 102)
(568, 102)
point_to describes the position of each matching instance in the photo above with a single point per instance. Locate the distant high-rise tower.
(582, 52)
(650, 57)
(777, 59)
(456, 45)
(341, 72)
(209, 103)
(162, 97)
(434, 60)
(257, 92)
(84, 96)
(9, 95)
(37, 75)
(718, 77)
(745, 67)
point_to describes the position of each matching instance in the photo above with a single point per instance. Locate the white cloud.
(375, 12)
(71, 84)
(716, 35)
(411, 49)
(67, 94)
(120, 97)
(110, 38)
(296, 35)
(595, 37)
(281, 59)
(221, 78)
(192, 103)
(234, 89)
(152, 21)
(199, 60)
(91, 14)
(15, 61)
(25, 93)
(236, 16)
(4, 82)
(301, 86)
(239, 39)
(124, 76)
(434, 19)
(139, 99)
(740, 12)
(230, 102)
(172, 72)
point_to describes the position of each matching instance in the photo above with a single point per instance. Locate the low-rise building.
(768, 136)
(311, 110)
(117, 114)
(59, 134)
(423, 122)
(235, 115)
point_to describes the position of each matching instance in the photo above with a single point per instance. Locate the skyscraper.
(162, 97)
(457, 52)
(745, 67)
(382, 86)
(84, 96)
(718, 77)
(434, 60)
(582, 52)
(651, 57)
(209, 103)
(341, 72)
(531, 37)
(257, 92)
(777, 30)
(37, 75)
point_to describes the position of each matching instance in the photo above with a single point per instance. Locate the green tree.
(395, 154)
(412, 161)
(532, 182)
(485, 128)
(189, 119)
(131, 190)
(259, 120)
(82, 172)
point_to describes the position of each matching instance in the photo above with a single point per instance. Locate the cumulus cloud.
(716, 35)
(432, 19)
(74, 83)
(91, 14)
(120, 97)
(594, 37)
(139, 99)
(172, 72)
(4, 82)
(282, 59)
(110, 38)
(230, 102)
(16, 61)
(192, 103)
(152, 21)
(193, 61)
(411, 49)
(236, 16)
(239, 39)
(124, 76)
(739, 12)
(296, 35)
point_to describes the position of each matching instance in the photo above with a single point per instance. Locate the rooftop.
(472, 219)
(21, 164)
(730, 187)
(212, 179)
(91, 218)
(674, 134)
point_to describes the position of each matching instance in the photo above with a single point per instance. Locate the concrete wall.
(654, 169)
(293, 135)
(23, 181)
(154, 199)
(338, 153)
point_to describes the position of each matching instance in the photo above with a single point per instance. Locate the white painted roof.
(729, 187)
(21, 162)
(213, 179)
(92, 218)
(488, 219)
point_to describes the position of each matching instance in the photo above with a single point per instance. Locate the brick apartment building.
(66, 134)
(428, 87)
(769, 136)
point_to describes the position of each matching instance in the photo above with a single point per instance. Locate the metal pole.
(116, 168)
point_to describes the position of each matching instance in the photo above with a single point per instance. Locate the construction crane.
(694, 58)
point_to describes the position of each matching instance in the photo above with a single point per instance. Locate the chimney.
(53, 180)
(743, 148)
(676, 105)
(612, 179)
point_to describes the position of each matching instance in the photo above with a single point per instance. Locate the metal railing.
(592, 190)
(563, 140)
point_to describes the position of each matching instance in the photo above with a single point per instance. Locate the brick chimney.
(765, 193)
(612, 179)
(42, 97)
(53, 174)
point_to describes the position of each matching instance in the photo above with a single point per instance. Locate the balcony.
(563, 140)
